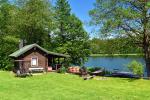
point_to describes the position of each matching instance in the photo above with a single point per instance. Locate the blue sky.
(81, 9)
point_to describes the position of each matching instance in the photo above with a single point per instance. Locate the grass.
(53, 86)
(116, 55)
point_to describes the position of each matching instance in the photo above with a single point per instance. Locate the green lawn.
(53, 86)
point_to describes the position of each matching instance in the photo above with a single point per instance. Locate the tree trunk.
(147, 58)
(148, 67)
(146, 39)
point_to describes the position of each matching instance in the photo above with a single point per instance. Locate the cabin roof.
(29, 47)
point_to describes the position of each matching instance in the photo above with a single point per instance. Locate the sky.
(81, 9)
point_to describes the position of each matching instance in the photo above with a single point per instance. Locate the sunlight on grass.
(53, 86)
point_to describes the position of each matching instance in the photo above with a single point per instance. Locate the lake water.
(111, 63)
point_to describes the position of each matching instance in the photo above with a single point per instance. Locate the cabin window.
(34, 61)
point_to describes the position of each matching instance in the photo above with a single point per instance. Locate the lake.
(111, 63)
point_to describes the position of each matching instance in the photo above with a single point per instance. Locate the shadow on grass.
(131, 79)
(135, 79)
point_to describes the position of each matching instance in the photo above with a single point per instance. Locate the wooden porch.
(25, 66)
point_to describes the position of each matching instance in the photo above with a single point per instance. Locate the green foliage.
(117, 17)
(7, 46)
(8, 41)
(6, 15)
(136, 67)
(113, 46)
(34, 21)
(63, 69)
(37, 21)
(70, 36)
(125, 18)
(78, 46)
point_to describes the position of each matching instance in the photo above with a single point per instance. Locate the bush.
(136, 67)
(62, 70)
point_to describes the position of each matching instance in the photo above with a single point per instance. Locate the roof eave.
(13, 55)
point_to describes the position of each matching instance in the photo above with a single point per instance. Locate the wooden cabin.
(34, 57)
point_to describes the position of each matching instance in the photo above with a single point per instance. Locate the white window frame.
(35, 57)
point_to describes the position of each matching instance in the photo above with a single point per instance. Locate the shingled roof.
(29, 47)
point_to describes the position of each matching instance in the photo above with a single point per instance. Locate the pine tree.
(70, 36)
(131, 18)
(62, 14)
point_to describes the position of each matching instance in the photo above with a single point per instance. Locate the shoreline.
(115, 55)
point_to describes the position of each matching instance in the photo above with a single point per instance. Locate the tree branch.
(139, 8)
(135, 31)
(130, 34)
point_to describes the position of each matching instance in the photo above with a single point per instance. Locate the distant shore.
(113, 55)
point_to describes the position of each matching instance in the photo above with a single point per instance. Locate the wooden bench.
(36, 69)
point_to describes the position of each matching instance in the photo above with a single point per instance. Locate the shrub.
(136, 67)
(62, 70)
